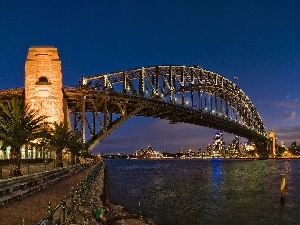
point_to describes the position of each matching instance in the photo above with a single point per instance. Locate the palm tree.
(60, 138)
(76, 146)
(19, 125)
(42, 144)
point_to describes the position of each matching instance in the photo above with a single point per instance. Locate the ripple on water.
(199, 191)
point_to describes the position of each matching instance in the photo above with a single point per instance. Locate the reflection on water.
(207, 191)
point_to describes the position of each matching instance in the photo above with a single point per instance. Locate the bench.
(16, 189)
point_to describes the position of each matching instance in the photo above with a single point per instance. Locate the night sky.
(256, 41)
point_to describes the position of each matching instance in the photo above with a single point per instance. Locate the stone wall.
(98, 198)
(43, 82)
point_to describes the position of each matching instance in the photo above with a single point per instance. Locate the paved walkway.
(34, 207)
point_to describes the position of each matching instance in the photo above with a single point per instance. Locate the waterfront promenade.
(33, 208)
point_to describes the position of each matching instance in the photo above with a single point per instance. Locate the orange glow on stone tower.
(43, 82)
(272, 144)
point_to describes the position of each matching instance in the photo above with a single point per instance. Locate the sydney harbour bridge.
(177, 93)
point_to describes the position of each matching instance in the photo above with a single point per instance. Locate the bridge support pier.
(272, 144)
(83, 119)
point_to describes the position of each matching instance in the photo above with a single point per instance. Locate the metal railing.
(69, 209)
(30, 167)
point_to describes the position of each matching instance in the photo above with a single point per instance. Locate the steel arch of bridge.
(188, 94)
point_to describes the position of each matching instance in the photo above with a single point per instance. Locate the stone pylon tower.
(43, 82)
(272, 144)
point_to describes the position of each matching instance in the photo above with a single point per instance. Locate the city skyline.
(253, 44)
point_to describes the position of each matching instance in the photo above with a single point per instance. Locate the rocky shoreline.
(34, 208)
(115, 214)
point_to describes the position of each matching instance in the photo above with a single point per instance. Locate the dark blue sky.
(257, 41)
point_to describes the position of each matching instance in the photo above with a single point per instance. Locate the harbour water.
(207, 191)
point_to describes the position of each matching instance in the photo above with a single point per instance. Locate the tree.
(42, 144)
(61, 135)
(19, 125)
(76, 146)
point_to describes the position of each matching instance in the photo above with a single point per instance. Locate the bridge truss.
(101, 103)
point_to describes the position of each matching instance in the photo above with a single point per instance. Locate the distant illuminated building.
(208, 149)
(294, 145)
(234, 146)
(294, 148)
(218, 144)
(180, 150)
(148, 153)
(282, 145)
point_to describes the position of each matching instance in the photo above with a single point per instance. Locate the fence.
(71, 207)
(30, 166)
